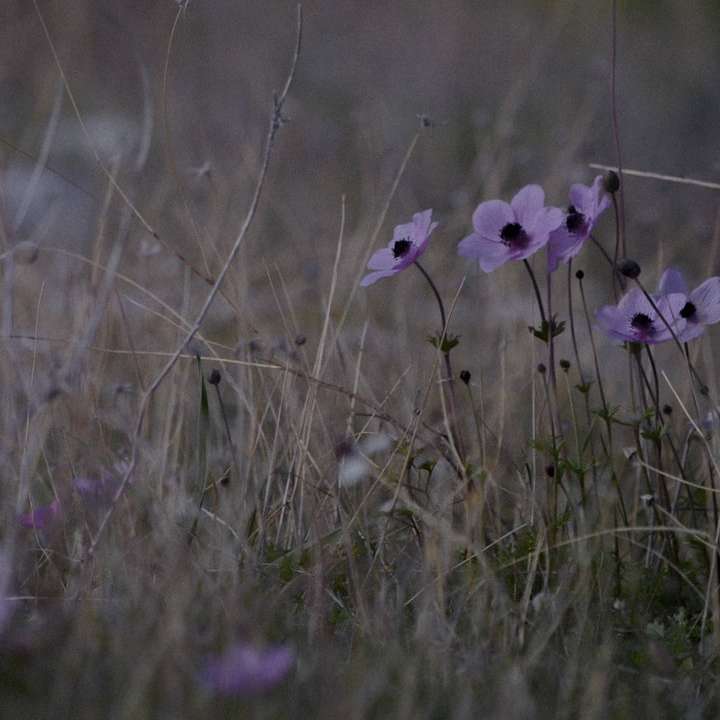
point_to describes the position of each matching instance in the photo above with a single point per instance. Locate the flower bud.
(465, 376)
(611, 182)
(629, 268)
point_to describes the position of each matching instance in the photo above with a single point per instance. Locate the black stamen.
(514, 235)
(401, 248)
(688, 310)
(642, 322)
(575, 220)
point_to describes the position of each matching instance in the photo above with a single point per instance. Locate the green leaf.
(447, 344)
(542, 332)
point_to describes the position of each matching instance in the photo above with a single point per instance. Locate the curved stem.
(446, 355)
(433, 287)
(537, 292)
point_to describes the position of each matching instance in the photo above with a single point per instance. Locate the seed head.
(629, 268)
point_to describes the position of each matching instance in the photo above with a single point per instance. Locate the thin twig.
(276, 120)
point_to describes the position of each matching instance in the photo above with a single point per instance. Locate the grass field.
(236, 482)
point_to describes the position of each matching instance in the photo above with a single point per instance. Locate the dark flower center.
(688, 311)
(514, 235)
(642, 322)
(401, 247)
(575, 221)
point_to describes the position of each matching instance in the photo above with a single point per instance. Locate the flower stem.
(433, 287)
(538, 296)
(446, 356)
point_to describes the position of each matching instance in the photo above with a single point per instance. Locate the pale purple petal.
(41, 517)
(381, 260)
(490, 254)
(405, 231)
(669, 307)
(590, 201)
(419, 246)
(582, 199)
(527, 204)
(612, 321)
(562, 245)
(672, 281)
(373, 277)
(633, 302)
(421, 225)
(601, 198)
(544, 222)
(247, 670)
(706, 298)
(691, 331)
(490, 217)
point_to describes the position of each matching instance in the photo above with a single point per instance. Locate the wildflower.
(354, 458)
(634, 319)
(41, 517)
(586, 205)
(247, 670)
(510, 232)
(702, 305)
(407, 245)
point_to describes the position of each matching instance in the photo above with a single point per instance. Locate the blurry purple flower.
(510, 232)
(635, 320)
(96, 490)
(586, 205)
(702, 305)
(247, 670)
(41, 516)
(407, 245)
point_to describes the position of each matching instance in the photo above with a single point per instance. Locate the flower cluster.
(503, 232)
(672, 311)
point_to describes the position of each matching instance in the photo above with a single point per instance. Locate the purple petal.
(527, 204)
(545, 221)
(490, 218)
(672, 281)
(490, 254)
(373, 277)
(582, 199)
(41, 516)
(421, 226)
(381, 260)
(706, 298)
(634, 302)
(669, 307)
(612, 322)
(601, 198)
(692, 330)
(562, 245)
(247, 670)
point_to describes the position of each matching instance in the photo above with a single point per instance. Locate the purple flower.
(247, 670)
(407, 245)
(510, 232)
(634, 319)
(41, 517)
(586, 205)
(702, 305)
